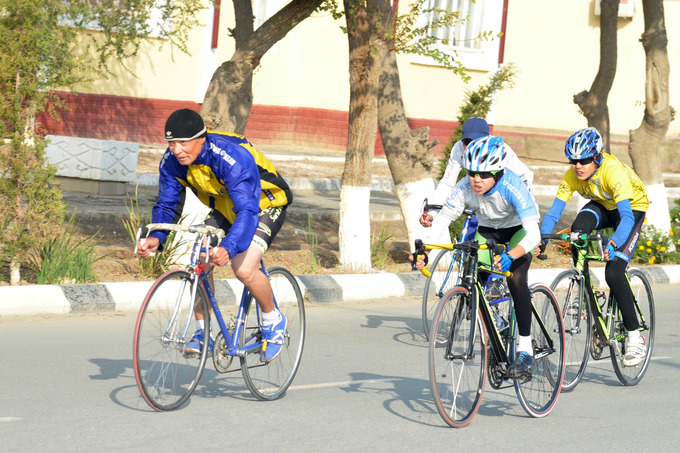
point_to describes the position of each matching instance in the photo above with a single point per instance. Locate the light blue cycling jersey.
(508, 204)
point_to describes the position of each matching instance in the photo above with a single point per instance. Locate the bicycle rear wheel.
(642, 291)
(456, 377)
(165, 374)
(443, 277)
(569, 291)
(538, 395)
(269, 381)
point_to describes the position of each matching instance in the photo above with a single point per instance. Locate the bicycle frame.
(604, 325)
(232, 340)
(200, 274)
(468, 271)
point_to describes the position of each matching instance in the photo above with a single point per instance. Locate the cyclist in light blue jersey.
(507, 213)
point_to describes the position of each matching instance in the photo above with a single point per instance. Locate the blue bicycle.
(167, 374)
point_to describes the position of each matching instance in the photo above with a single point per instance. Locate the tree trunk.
(14, 272)
(229, 97)
(645, 140)
(593, 103)
(408, 152)
(365, 56)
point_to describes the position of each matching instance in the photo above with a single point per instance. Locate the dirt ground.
(291, 249)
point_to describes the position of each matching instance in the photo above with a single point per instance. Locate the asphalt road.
(67, 384)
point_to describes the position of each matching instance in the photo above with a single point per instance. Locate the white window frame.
(263, 10)
(487, 17)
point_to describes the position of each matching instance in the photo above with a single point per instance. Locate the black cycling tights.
(518, 284)
(614, 271)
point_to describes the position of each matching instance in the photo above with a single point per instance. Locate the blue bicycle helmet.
(584, 144)
(486, 154)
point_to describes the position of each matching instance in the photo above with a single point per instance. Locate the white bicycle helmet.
(486, 154)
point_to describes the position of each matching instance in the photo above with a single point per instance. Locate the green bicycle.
(593, 321)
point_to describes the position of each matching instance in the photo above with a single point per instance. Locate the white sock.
(524, 345)
(634, 335)
(200, 324)
(273, 317)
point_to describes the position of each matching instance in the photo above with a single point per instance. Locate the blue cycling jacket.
(228, 175)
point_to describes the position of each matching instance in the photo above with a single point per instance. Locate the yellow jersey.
(612, 182)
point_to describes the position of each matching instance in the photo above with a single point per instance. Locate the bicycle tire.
(456, 382)
(165, 374)
(578, 326)
(442, 279)
(642, 291)
(269, 381)
(539, 394)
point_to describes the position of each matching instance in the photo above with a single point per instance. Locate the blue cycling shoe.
(196, 343)
(272, 339)
(522, 366)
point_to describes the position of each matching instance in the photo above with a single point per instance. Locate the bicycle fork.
(173, 334)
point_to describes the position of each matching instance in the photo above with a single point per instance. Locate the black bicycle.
(460, 353)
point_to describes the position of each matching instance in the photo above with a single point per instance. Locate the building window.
(461, 40)
(461, 35)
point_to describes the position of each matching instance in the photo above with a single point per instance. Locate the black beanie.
(184, 124)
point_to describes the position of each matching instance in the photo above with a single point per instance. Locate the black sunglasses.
(585, 161)
(482, 174)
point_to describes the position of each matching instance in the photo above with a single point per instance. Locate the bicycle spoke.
(577, 325)
(269, 381)
(539, 394)
(642, 291)
(165, 374)
(457, 375)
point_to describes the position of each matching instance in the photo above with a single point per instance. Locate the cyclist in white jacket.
(472, 129)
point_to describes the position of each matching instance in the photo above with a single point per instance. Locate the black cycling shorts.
(270, 223)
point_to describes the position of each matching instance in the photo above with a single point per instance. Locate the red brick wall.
(113, 117)
(141, 120)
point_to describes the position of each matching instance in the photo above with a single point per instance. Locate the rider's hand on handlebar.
(609, 251)
(540, 249)
(219, 256)
(420, 264)
(504, 261)
(147, 246)
(426, 220)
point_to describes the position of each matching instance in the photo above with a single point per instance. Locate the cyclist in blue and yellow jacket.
(248, 199)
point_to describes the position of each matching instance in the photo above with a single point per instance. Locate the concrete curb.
(127, 296)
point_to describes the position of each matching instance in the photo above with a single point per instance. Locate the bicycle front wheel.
(442, 279)
(569, 291)
(457, 371)
(642, 292)
(165, 373)
(538, 394)
(269, 381)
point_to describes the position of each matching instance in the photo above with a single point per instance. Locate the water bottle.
(501, 323)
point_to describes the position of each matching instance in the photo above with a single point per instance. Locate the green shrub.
(66, 258)
(657, 247)
(163, 259)
(379, 247)
(312, 240)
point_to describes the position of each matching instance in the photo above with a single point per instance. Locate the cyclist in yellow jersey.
(618, 199)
